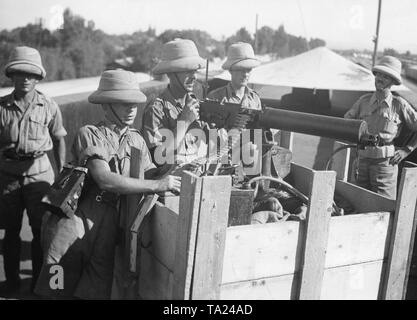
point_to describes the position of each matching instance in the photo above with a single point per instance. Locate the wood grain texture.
(211, 234)
(364, 200)
(274, 249)
(186, 233)
(320, 196)
(402, 238)
(353, 282)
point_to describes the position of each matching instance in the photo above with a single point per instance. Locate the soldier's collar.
(37, 99)
(113, 127)
(231, 91)
(387, 99)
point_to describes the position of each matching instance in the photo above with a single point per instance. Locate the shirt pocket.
(37, 128)
(391, 124)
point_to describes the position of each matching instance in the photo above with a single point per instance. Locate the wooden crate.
(191, 253)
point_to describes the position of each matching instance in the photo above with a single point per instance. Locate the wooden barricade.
(191, 253)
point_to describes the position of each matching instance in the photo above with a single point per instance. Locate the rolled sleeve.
(56, 126)
(146, 160)
(87, 145)
(410, 116)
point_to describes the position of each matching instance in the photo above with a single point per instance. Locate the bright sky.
(344, 24)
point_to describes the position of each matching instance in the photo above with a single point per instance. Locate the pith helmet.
(240, 56)
(117, 86)
(25, 59)
(179, 55)
(390, 66)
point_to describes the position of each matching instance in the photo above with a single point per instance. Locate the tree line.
(78, 49)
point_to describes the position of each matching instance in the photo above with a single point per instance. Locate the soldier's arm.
(57, 133)
(410, 119)
(59, 152)
(113, 182)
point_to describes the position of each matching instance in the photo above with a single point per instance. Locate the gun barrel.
(313, 124)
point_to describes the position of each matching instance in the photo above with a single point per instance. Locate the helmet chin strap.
(120, 123)
(180, 83)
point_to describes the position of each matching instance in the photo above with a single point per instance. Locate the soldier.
(385, 115)
(176, 109)
(240, 62)
(30, 125)
(105, 149)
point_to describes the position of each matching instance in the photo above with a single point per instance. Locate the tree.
(265, 39)
(281, 42)
(315, 43)
(390, 52)
(242, 35)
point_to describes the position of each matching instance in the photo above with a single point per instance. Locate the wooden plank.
(156, 281)
(159, 234)
(402, 237)
(186, 233)
(316, 234)
(364, 200)
(287, 139)
(340, 161)
(172, 203)
(300, 177)
(275, 288)
(353, 282)
(358, 238)
(261, 251)
(273, 249)
(211, 234)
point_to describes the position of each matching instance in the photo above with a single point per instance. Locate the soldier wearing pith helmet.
(30, 126)
(240, 61)
(176, 108)
(386, 114)
(106, 150)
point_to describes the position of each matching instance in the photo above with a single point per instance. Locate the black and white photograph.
(221, 152)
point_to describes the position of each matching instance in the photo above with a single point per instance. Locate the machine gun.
(225, 115)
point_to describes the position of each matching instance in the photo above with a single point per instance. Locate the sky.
(343, 24)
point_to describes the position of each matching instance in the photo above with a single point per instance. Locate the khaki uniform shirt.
(162, 113)
(250, 98)
(31, 131)
(89, 143)
(384, 118)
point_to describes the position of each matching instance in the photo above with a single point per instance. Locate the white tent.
(319, 68)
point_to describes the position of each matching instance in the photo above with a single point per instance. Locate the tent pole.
(377, 33)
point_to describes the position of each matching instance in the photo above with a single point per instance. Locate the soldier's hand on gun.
(191, 110)
(171, 183)
(399, 155)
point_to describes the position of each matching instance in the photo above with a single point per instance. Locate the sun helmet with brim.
(117, 86)
(179, 55)
(25, 60)
(389, 66)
